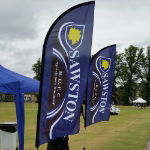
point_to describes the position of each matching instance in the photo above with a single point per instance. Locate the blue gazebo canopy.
(11, 82)
(14, 83)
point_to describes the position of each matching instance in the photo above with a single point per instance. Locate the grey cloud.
(19, 18)
(17, 21)
(18, 59)
(121, 22)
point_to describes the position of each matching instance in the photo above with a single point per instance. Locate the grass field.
(127, 131)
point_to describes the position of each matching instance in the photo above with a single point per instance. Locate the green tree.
(116, 93)
(37, 69)
(129, 71)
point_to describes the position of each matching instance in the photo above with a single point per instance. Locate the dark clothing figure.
(58, 144)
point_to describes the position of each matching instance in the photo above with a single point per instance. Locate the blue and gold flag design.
(65, 62)
(100, 83)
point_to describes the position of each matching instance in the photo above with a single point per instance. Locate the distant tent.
(16, 84)
(140, 100)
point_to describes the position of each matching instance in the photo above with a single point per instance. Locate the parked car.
(114, 110)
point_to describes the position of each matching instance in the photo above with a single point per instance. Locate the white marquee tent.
(140, 100)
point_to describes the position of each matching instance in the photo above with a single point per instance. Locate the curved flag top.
(65, 62)
(100, 83)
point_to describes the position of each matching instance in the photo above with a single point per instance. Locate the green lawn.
(127, 131)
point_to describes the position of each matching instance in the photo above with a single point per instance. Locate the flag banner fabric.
(100, 83)
(65, 64)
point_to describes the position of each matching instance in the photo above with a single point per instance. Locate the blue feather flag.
(65, 63)
(100, 84)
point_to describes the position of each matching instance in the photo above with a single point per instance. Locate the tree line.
(132, 75)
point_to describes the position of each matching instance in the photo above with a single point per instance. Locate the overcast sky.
(24, 24)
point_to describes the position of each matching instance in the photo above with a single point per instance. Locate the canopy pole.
(19, 101)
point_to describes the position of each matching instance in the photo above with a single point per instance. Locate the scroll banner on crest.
(100, 83)
(65, 64)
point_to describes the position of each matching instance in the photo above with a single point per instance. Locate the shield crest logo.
(104, 63)
(74, 35)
